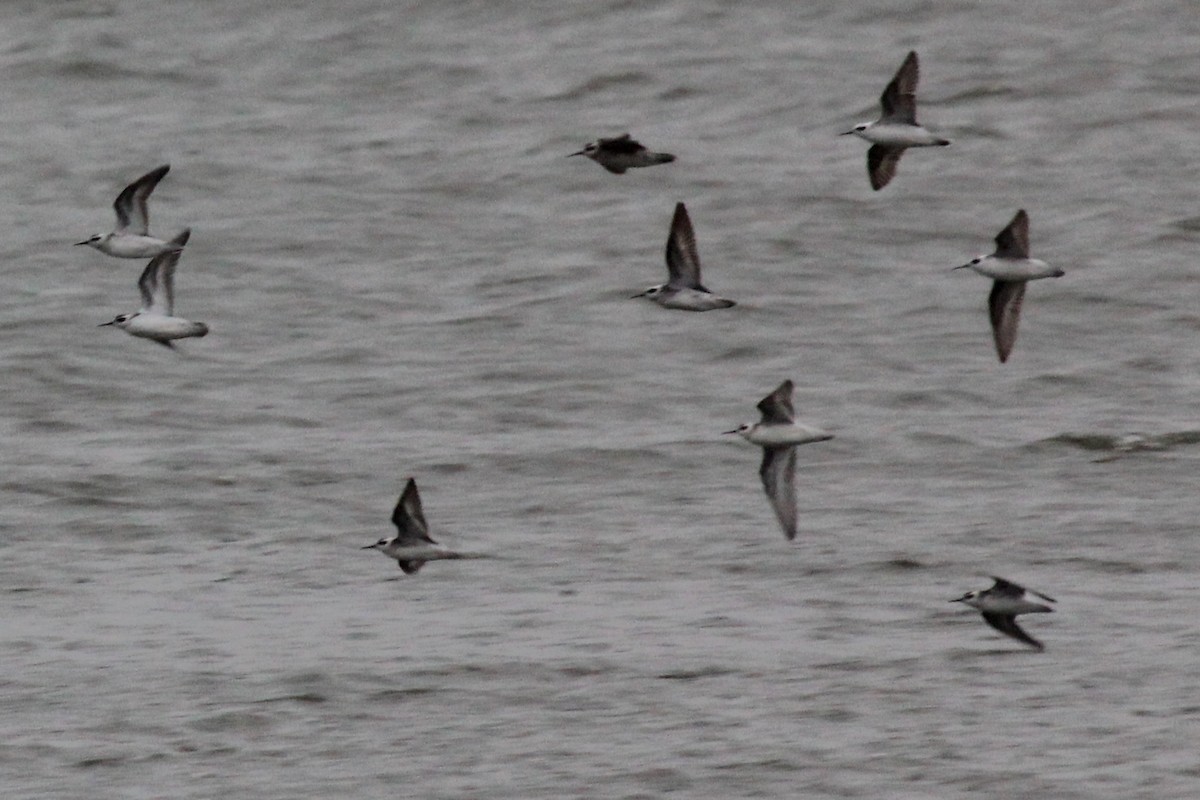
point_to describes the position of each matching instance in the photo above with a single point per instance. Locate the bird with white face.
(411, 546)
(1001, 604)
(621, 153)
(683, 289)
(897, 129)
(1010, 268)
(778, 434)
(131, 238)
(156, 319)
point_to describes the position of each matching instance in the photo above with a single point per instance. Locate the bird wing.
(132, 215)
(1010, 589)
(410, 567)
(1007, 624)
(1013, 241)
(899, 100)
(1004, 310)
(777, 406)
(157, 284)
(882, 161)
(1045, 597)
(409, 519)
(623, 144)
(683, 261)
(1006, 587)
(778, 473)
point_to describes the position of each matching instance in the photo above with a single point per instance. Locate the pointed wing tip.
(1013, 240)
(682, 256)
(776, 472)
(777, 406)
(153, 176)
(1004, 314)
(1007, 624)
(882, 164)
(407, 494)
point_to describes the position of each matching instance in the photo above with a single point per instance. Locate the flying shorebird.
(132, 238)
(1001, 604)
(896, 129)
(156, 318)
(778, 434)
(411, 546)
(1011, 268)
(621, 153)
(683, 290)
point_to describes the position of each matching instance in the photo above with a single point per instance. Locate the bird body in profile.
(131, 238)
(621, 153)
(778, 434)
(683, 289)
(156, 320)
(1001, 604)
(411, 546)
(897, 129)
(1010, 268)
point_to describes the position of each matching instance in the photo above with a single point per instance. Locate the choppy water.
(404, 276)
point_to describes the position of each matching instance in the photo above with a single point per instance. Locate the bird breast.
(1016, 269)
(899, 135)
(784, 435)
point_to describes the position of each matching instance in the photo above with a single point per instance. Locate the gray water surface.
(404, 276)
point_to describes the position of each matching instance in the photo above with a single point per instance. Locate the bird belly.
(784, 435)
(163, 329)
(693, 300)
(624, 161)
(900, 136)
(992, 605)
(419, 553)
(132, 246)
(1016, 269)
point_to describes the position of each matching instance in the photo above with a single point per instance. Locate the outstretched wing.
(778, 473)
(1007, 624)
(1006, 588)
(899, 100)
(777, 406)
(1013, 241)
(410, 520)
(882, 161)
(1004, 310)
(1014, 590)
(157, 284)
(132, 215)
(683, 260)
(623, 144)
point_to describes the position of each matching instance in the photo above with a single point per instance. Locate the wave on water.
(1121, 443)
